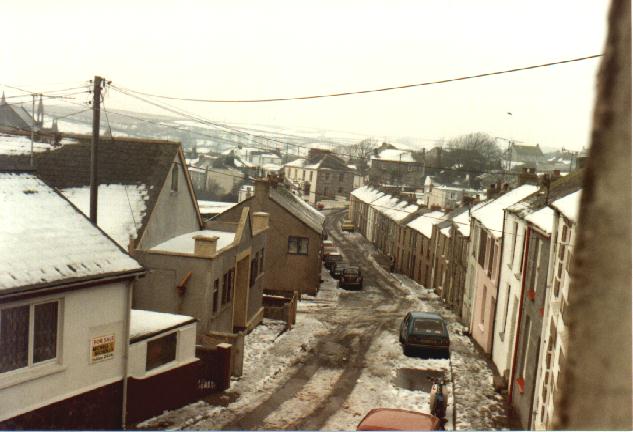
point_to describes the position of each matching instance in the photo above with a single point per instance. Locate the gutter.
(126, 352)
(518, 330)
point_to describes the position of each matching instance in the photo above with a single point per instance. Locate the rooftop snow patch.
(44, 239)
(145, 323)
(424, 224)
(569, 205)
(299, 208)
(395, 155)
(214, 207)
(491, 212)
(367, 194)
(297, 163)
(120, 208)
(543, 219)
(20, 145)
(185, 243)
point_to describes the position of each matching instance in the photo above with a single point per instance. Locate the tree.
(467, 156)
(361, 152)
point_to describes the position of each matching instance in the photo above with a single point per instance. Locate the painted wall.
(174, 213)
(185, 352)
(84, 314)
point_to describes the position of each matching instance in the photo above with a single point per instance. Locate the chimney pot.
(205, 245)
(260, 221)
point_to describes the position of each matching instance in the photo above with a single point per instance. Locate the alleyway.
(343, 358)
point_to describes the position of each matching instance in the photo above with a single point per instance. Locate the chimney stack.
(205, 246)
(261, 189)
(260, 221)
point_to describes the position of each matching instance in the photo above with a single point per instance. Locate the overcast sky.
(261, 49)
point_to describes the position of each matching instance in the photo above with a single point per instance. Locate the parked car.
(424, 331)
(347, 225)
(328, 250)
(326, 243)
(320, 206)
(351, 278)
(398, 420)
(331, 259)
(336, 270)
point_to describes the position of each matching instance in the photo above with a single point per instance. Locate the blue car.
(424, 331)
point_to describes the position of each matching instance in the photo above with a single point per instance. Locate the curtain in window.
(14, 338)
(45, 332)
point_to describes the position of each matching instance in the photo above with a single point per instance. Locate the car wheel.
(406, 350)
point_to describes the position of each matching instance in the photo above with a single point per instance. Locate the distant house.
(480, 294)
(65, 292)
(322, 176)
(392, 166)
(449, 197)
(424, 260)
(523, 155)
(294, 240)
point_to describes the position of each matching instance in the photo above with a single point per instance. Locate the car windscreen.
(351, 271)
(427, 325)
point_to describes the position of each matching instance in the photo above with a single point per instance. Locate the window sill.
(10, 379)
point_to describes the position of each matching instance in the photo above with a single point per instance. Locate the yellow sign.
(101, 348)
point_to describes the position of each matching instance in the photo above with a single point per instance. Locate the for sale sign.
(101, 348)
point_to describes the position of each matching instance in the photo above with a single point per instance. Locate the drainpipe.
(518, 330)
(126, 359)
(499, 267)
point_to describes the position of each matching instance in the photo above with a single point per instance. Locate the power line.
(349, 93)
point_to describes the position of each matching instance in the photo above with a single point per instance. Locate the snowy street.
(343, 358)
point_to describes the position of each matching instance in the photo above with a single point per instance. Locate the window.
(216, 289)
(327, 176)
(227, 282)
(515, 232)
(174, 178)
(341, 177)
(483, 307)
(504, 315)
(491, 255)
(340, 189)
(161, 351)
(28, 335)
(311, 172)
(525, 239)
(297, 246)
(483, 239)
(261, 261)
(254, 273)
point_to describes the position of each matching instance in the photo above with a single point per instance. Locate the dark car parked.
(336, 270)
(424, 331)
(351, 278)
(331, 259)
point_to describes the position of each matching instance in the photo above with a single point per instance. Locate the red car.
(398, 420)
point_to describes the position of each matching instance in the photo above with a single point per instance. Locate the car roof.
(398, 419)
(429, 315)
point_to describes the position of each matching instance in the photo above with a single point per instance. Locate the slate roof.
(46, 241)
(128, 161)
(15, 117)
(527, 151)
(327, 161)
(297, 207)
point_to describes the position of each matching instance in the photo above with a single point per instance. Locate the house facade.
(64, 313)
(423, 256)
(390, 165)
(294, 242)
(480, 294)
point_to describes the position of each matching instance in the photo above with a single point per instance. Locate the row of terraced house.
(502, 265)
(107, 322)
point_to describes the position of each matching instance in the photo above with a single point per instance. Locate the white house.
(65, 297)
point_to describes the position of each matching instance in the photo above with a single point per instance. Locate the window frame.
(298, 241)
(174, 178)
(30, 362)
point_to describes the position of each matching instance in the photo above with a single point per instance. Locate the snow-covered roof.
(394, 155)
(214, 207)
(185, 243)
(392, 207)
(272, 167)
(120, 208)
(490, 214)
(569, 205)
(462, 222)
(297, 163)
(367, 193)
(20, 145)
(297, 207)
(543, 219)
(446, 231)
(144, 324)
(45, 240)
(424, 224)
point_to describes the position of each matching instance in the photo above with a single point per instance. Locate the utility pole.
(32, 128)
(94, 185)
